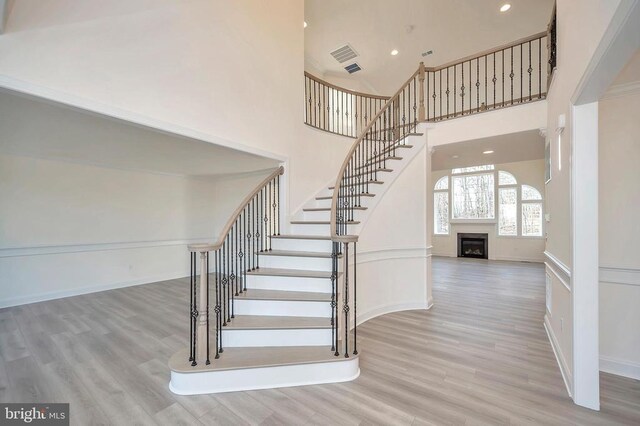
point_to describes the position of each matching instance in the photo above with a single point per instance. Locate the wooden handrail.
(234, 216)
(488, 52)
(342, 89)
(345, 163)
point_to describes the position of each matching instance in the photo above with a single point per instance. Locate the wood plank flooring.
(480, 356)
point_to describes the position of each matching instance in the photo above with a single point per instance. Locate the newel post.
(421, 75)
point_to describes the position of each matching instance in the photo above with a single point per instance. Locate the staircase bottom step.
(240, 369)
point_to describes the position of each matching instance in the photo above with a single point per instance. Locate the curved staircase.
(284, 306)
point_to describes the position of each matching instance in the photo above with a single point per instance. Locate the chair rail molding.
(626, 276)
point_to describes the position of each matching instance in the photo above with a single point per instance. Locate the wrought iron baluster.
(477, 84)
(540, 68)
(208, 361)
(511, 75)
(334, 299)
(217, 307)
(529, 70)
(192, 348)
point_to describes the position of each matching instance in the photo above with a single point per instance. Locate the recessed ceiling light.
(455, 156)
(305, 24)
(394, 52)
(487, 152)
(505, 7)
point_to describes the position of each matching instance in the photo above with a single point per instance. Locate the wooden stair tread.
(301, 237)
(328, 209)
(319, 222)
(297, 296)
(271, 322)
(281, 272)
(295, 253)
(373, 182)
(329, 197)
(258, 357)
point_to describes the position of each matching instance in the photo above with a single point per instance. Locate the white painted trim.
(28, 89)
(264, 377)
(584, 256)
(560, 278)
(16, 301)
(620, 367)
(620, 90)
(562, 364)
(387, 309)
(390, 254)
(617, 45)
(620, 275)
(558, 264)
(81, 248)
(498, 259)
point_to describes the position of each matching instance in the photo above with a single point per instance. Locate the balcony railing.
(508, 75)
(338, 110)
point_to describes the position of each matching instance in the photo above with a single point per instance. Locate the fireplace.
(473, 245)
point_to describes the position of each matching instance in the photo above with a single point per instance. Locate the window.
(473, 196)
(470, 192)
(506, 178)
(507, 204)
(441, 207)
(531, 212)
(508, 211)
(472, 169)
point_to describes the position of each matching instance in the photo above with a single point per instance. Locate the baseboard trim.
(387, 309)
(620, 367)
(391, 254)
(24, 300)
(562, 365)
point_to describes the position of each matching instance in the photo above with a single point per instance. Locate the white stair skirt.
(187, 380)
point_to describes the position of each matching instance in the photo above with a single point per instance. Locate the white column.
(584, 276)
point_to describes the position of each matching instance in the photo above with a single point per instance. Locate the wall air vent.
(354, 67)
(344, 53)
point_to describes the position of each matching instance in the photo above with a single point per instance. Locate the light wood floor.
(479, 356)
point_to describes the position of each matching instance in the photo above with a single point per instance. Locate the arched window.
(506, 178)
(441, 206)
(508, 204)
(531, 211)
(468, 194)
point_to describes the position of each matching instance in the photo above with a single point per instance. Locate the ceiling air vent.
(354, 67)
(344, 53)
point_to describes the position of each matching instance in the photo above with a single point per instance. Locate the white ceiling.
(451, 28)
(522, 146)
(35, 128)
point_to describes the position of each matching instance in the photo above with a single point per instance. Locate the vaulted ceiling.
(450, 28)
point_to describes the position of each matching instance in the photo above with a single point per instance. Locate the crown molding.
(620, 90)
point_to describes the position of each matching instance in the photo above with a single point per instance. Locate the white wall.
(393, 251)
(70, 228)
(500, 248)
(581, 25)
(619, 230)
(230, 70)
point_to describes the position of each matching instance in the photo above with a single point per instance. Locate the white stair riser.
(278, 337)
(322, 246)
(317, 215)
(310, 229)
(296, 262)
(264, 377)
(364, 201)
(282, 308)
(269, 282)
